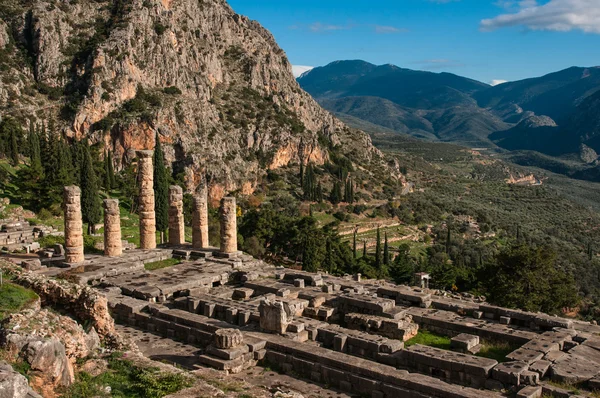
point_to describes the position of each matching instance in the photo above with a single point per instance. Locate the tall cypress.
(386, 251)
(378, 250)
(109, 172)
(448, 238)
(161, 190)
(365, 249)
(35, 156)
(90, 199)
(354, 245)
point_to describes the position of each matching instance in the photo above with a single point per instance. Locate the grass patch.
(497, 350)
(127, 380)
(13, 298)
(162, 264)
(425, 337)
(572, 388)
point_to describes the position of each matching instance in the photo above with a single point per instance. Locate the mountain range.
(556, 114)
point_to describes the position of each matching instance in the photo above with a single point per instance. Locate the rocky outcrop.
(49, 343)
(13, 384)
(213, 84)
(83, 302)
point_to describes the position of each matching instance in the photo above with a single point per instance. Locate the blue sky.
(483, 39)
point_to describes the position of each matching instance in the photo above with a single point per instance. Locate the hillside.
(213, 84)
(436, 106)
(553, 114)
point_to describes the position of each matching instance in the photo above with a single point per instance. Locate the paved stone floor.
(186, 356)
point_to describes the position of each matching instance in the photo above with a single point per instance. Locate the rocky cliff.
(213, 84)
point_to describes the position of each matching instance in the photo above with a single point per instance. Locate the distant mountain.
(554, 114)
(555, 95)
(435, 106)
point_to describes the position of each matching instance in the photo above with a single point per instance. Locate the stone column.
(73, 225)
(146, 200)
(176, 223)
(228, 225)
(112, 228)
(200, 220)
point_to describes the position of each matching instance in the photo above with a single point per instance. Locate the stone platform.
(339, 331)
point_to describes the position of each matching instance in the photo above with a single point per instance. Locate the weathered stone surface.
(200, 219)
(176, 223)
(112, 228)
(228, 219)
(273, 316)
(573, 369)
(13, 384)
(530, 392)
(73, 225)
(228, 338)
(146, 200)
(464, 342)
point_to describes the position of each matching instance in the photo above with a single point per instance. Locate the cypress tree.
(14, 148)
(35, 156)
(354, 245)
(301, 174)
(386, 251)
(336, 193)
(378, 250)
(90, 200)
(109, 172)
(161, 190)
(448, 236)
(365, 249)
(320, 193)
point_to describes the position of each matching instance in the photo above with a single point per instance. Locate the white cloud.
(299, 70)
(496, 82)
(382, 29)
(555, 15)
(320, 27)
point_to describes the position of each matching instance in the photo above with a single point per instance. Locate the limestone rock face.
(215, 87)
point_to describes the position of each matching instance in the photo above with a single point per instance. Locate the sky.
(487, 40)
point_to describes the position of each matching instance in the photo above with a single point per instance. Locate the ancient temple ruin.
(347, 332)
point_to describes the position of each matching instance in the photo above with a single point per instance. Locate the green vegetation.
(425, 337)
(127, 380)
(13, 298)
(162, 264)
(497, 350)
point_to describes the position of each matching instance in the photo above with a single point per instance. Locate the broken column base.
(220, 254)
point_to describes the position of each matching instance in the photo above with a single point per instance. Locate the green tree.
(355, 255)
(378, 260)
(109, 172)
(11, 134)
(90, 200)
(402, 269)
(529, 278)
(161, 190)
(386, 251)
(336, 193)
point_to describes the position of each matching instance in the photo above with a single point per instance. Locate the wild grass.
(162, 264)
(127, 380)
(13, 298)
(425, 337)
(497, 350)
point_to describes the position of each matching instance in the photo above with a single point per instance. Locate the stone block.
(464, 342)
(299, 283)
(509, 372)
(525, 355)
(228, 353)
(505, 320)
(540, 367)
(530, 392)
